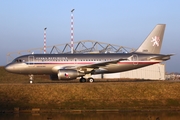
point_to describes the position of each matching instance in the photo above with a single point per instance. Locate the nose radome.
(8, 68)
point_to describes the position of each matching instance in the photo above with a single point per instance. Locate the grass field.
(15, 91)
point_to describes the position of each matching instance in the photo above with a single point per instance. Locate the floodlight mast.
(72, 32)
(45, 40)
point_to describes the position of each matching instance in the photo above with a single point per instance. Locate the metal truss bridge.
(84, 46)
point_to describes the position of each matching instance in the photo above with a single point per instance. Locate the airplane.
(73, 66)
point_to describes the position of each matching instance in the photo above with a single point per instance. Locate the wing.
(88, 68)
(97, 66)
(163, 57)
(101, 64)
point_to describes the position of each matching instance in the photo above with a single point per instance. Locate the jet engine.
(69, 74)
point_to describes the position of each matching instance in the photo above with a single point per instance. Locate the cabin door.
(135, 59)
(30, 60)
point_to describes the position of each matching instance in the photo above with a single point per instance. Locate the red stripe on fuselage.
(90, 63)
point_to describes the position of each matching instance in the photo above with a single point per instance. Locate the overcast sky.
(125, 23)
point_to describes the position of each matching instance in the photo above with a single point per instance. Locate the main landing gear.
(91, 80)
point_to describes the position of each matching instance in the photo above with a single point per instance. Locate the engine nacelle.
(68, 74)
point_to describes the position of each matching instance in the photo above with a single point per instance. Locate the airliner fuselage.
(50, 63)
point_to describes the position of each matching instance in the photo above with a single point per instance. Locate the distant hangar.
(152, 72)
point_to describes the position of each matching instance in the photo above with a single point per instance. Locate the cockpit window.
(18, 60)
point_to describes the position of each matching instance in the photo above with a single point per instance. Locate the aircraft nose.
(9, 68)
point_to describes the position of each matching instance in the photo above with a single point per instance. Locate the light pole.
(72, 32)
(45, 40)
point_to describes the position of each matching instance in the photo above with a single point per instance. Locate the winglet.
(153, 42)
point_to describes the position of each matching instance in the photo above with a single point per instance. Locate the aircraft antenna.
(72, 32)
(45, 40)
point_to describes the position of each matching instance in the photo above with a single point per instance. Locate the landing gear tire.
(82, 80)
(91, 80)
(31, 77)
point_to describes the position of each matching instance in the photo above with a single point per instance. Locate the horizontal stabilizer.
(164, 57)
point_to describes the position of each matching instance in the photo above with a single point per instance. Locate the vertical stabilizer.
(153, 42)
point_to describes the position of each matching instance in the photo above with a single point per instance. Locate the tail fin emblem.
(155, 41)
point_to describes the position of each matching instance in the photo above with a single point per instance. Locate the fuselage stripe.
(122, 62)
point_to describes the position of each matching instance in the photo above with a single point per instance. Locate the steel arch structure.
(83, 46)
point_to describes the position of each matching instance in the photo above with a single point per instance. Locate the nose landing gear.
(31, 78)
